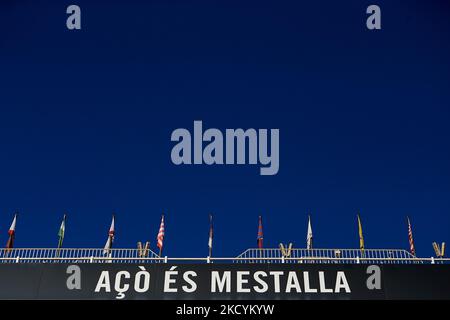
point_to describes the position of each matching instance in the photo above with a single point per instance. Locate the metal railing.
(77, 255)
(328, 256)
(315, 256)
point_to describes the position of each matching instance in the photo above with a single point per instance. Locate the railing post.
(17, 259)
(282, 259)
(357, 259)
(208, 259)
(432, 260)
(91, 259)
(165, 259)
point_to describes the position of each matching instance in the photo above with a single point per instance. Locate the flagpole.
(109, 242)
(309, 235)
(210, 235)
(11, 233)
(161, 247)
(112, 236)
(361, 236)
(61, 233)
(412, 247)
(160, 236)
(260, 235)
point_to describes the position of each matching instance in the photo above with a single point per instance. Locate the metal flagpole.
(210, 240)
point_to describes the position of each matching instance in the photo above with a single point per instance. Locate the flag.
(12, 234)
(360, 231)
(259, 238)
(211, 233)
(309, 236)
(412, 248)
(61, 232)
(160, 237)
(110, 240)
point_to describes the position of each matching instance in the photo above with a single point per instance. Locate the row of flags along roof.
(161, 234)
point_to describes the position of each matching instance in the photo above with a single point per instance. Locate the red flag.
(160, 237)
(412, 248)
(11, 233)
(259, 238)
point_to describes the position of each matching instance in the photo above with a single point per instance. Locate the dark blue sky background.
(86, 118)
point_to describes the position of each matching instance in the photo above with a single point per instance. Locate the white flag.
(309, 236)
(109, 242)
(211, 234)
(210, 242)
(107, 246)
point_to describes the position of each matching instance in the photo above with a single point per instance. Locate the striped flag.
(260, 237)
(12, 234)
(211, 234)
(412, 248)
(361, 237)
(110, 240)
(61, 232)
(309, 236)
(160, 237)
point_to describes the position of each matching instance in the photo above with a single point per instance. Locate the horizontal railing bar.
(228, 259)
(260, 249)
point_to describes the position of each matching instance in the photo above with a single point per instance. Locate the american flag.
(259, 238)
(412, 249)
(160, 237)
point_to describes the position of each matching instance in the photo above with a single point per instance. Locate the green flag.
(62, 230)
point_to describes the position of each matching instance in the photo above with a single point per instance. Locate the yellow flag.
(361, 238)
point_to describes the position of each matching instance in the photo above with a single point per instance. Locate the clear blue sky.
(86, 119)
